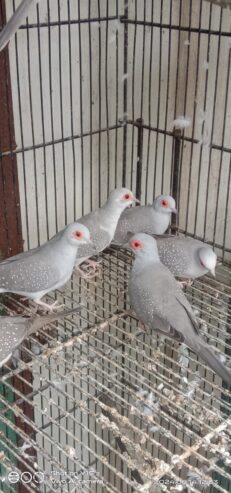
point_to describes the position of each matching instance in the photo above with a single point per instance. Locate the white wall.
(173, 67)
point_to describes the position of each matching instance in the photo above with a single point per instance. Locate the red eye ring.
(78, 235)
(127, 196)
(164, 203)
(136, 244)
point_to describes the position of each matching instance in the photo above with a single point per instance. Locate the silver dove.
(150, 219)
(159, 302)
(102, 222)
(37, 272)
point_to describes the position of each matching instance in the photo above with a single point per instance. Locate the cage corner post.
(125, 94)
(11, 241)
(177, 143)
(139, 160)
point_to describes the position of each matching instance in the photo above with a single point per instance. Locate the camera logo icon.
(25, 477)
(13, 477)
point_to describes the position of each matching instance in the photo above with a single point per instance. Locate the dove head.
(144, 246)
(77, 234)
(122, 198)
(165, 204)
(208, 259)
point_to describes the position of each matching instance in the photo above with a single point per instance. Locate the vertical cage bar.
(125, 88)
(176, 174)
(139, 124)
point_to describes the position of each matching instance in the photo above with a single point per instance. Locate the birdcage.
(95, 94)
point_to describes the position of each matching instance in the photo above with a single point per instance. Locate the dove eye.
(126, 196)
(78, 235)
(164, 203)
(135, 244)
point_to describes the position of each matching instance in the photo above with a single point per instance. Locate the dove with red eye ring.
(161, 305)
(150, 219)
(102, 224)
(35, 273)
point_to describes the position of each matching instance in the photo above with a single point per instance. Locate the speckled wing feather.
(173, 255)
(180, 255)
(32, 252)
(155, 294)
(142, 219)
(40, 275)
(156, 297)
(99, 235)
(12, 332)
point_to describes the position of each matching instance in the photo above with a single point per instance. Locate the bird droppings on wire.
(175, 459)
(105, 422)
(147, 404)
(192, 386)
(183, 358)
(70, 451)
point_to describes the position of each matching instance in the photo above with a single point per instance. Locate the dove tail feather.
(39, 321)
(15, 21)
(207, 354)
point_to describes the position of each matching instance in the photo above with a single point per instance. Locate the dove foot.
(85, 275)
(94, 265)
(89, 273)
(50, 307)
(185, 284)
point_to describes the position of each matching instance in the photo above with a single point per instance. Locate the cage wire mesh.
(105, 93)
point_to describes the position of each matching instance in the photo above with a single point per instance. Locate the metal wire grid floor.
(96, 404)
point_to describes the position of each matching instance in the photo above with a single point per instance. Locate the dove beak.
(174, 210)
(213, 272)
(137, 201)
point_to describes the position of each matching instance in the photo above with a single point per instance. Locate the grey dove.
(15, 21)
(34, 273)
(102, 223)
(186, 257)
(150, 219)
(13, 330)
(159, 302)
